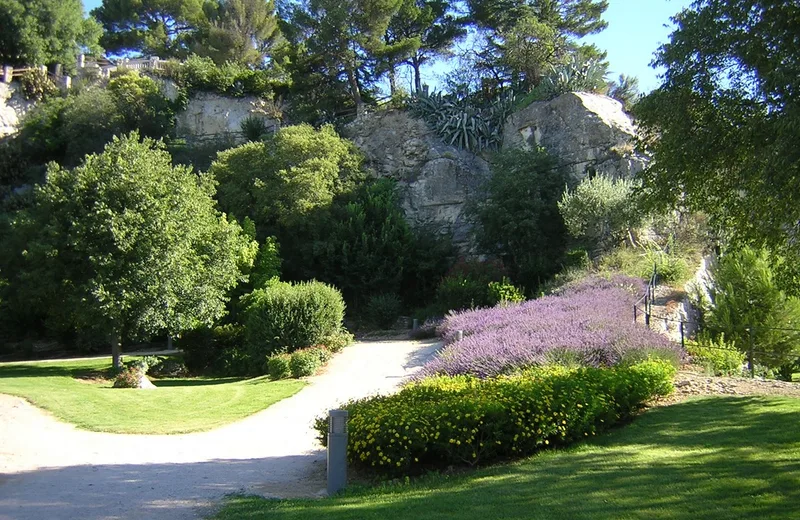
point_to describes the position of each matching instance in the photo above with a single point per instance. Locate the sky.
(635, 30)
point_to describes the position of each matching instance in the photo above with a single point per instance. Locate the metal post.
(647, 310)
(683, 340)
(8, 73)
(459, 335)
(337, 450)
(635, 315)
(750, 365)
(415, 324)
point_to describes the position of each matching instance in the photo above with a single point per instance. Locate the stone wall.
(211, 115)
(13, 106)
(435, 179)
(587, 132)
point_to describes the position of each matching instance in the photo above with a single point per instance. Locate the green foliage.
(458, 420)
(141, 104)
(338, 340)
(518, 215)
(278, 366)
(162, 28)
(216, 350)
(197, 74)
(669, 268)
(36, 85)
(744, 294)
(504, 292)
(240, 31)
(45, 32)
(129, 377)
(281, 180)
(462, 121)
(718, 357)
(167, 367)
(199, 154)
(625, 90)
(467, 286)
(383, 310)
(254, 128)
(133, 250)
(721, 128)
(306, 362)
(285, 316)
(267, 265)
(600, 211)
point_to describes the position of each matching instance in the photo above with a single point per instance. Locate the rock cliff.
(587, 132)
(13, 107)
(209, 114)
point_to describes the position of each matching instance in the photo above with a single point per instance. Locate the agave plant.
(576, 74)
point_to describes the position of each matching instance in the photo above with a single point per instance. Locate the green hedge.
(286, 317)
(446, 421)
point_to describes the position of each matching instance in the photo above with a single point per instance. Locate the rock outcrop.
(435, 179)
(13, 106)
(589, 133)
(212, 115)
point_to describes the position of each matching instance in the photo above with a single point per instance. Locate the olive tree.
(129, 246)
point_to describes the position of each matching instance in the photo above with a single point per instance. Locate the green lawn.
(177, 406)
(713, 458)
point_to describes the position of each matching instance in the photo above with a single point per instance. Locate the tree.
(570, 17)
(625, 90)
(518, 215)
(45, 32)
(722, 129)
(160, 27)
(242, 31)
(128, 245)
(419, 31)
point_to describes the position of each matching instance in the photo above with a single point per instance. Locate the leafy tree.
(45, 32)
(518, 215)
(600, 211)
(571, 17)
(161, 27)
(722, 128)
(242, 31)
(141, 105)
(279, 181)
(744, 295)
(128, 245)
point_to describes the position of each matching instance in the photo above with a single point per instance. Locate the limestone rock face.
(587, 132)
(13, 106)
(209, 114)
(435, 179)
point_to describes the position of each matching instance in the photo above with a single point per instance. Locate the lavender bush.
(588, 323)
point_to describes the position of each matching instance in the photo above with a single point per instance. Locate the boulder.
(435, 179)
(589, 133)
(13, 106)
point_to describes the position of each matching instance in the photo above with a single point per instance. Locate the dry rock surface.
(50, 469)
(691, 384)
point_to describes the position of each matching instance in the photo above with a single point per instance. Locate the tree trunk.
(417, 76)
(116, 350)
(355, 91)
(392, 80)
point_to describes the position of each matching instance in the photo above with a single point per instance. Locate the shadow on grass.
(196, 382)
(54, 370)
(717, 458)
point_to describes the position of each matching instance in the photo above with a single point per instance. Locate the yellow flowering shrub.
(460, 420)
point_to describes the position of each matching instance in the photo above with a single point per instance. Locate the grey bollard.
(459, 335)
(415, 324)
(337, 451)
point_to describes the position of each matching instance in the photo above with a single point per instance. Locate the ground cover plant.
(715, 458)
(444, 421)
(589, 323)
(78, 393)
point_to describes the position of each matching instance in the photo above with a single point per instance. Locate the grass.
(69, 391)
(712, 458)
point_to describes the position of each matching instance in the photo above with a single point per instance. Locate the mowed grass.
(712, 458)
(69, 390)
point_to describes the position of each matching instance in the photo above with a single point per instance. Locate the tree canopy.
(723, 127)
(128, 246)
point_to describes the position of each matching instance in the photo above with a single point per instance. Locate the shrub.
(578, 74)
(717, 357)
(383, 310)
(218, 350)
(196, 74)
(427, 330)
(460, 420)
(130, 376)
(168, 367)
(745, 295)
(504, 292)
(338, 340)
(36, 85)
(142, 105)
(278, 366)
(669, 268)
(254, 128)
(466, 285)
(600, 211)
(291, 316)
(305, 362)
(590, 321)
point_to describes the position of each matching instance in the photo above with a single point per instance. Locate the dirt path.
(49, 469)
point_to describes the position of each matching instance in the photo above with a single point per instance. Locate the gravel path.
(49, 469)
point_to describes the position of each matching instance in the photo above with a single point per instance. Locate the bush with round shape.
(279, 366)
(291, 316)
(383, 310)
(305, 362)
(463, 421)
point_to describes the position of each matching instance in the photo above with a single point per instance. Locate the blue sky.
(635, 30)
